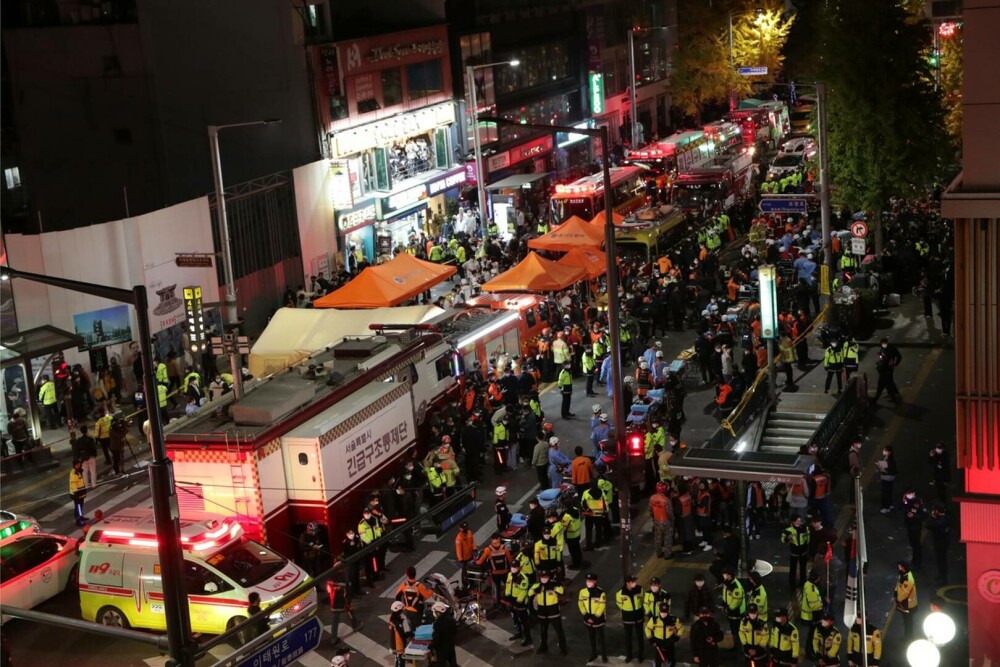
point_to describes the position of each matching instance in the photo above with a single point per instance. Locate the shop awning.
(574, 233)
(23, 346)
(515, 181)
(594, 262)
(535, 274)
(599, 219)
(389, 284)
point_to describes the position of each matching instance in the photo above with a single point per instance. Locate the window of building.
(424, 79)
(392, 87)
(539, 65)
(12, 177)
(315, 19)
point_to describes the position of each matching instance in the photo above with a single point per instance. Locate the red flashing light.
(636, 444)
(947, 30)
(576, 189)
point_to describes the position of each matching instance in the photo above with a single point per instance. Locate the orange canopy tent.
(389, 284)
(600, 220)
(574, 233)
(536, 274)
(594, 262)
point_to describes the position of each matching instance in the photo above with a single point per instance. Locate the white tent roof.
(295, 333)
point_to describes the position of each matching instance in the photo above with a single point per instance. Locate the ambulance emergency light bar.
(217, 536)
(577, 189)
(482, 333)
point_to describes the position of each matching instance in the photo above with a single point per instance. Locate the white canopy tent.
(295, 333)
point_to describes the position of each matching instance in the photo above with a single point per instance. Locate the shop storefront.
(356, 229)
(412, 211)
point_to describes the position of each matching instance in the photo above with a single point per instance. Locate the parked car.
(804, 146)
(784, 164)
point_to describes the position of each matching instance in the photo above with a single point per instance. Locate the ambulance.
(119, 574)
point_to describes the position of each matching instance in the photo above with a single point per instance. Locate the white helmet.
(596, 407)
(439, 607)
(553, 441)
(338, 661)
(397, 606)
(501, 490)
(644, 365)
(604, 416)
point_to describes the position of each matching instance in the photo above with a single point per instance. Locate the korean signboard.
(401, 201)
(396, 128)
(596, 80)
(530, 149)
(348, 221)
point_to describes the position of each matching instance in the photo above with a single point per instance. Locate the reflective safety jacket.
(758, 596)
(754, 632)
(660, 508)
(435, 480)
(527, 565)
(516, 589)
(873, 644)
(630, 604)
(832, 358)
(651, 602)
(499, 559)
(102, 427)
(906, 593)
(797, 539)
(545, 598)
(47, 393)
(594, 503)
(565, 381)
(826, 642)
(812, 601)
(785, 643)
(499, 434)
(161, 373)
(734, 599)
(667, 629)
(413, 594)
(571, 526)
(547, 551)
(593, 604)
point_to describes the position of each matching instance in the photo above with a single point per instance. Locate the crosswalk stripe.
(369, 648)
(466, 659)
(500, 636)
(101, 492)
(423, 567)
(312, 659)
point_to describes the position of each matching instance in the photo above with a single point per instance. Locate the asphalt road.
(925, 416)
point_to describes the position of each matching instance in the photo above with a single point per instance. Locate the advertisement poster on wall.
(107, 326)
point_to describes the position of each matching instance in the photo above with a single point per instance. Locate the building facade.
(973, 202)
(389, 119)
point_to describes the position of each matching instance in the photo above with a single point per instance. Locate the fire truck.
(679, 151)
(754, 123)
(584, 197)
(310, 442)
(714, 186)
(726, 137)
(498, 322)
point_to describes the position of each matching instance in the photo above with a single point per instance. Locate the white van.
(120, 573)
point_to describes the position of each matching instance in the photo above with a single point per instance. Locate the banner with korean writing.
(373, 436)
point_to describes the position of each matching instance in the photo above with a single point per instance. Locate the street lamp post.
(470, 75)
(614, 311)
(632, 84)
(230, 316)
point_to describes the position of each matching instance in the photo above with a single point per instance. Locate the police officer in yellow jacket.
(653, 597)
(593, 603)
(757, 595)
(826, 643)
(516, 599)
(906, 597)
(367, 528)
(811, 607)
(663, 632)
(872, 644)
(629, 600)
(851, 351)
(545, 598)
(755, 637)
(47, 397)
(833, 363)
(734, 600)
(784, 641)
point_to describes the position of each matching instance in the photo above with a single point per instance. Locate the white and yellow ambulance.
(120, 573)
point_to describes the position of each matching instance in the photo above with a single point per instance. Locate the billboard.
(108, 326)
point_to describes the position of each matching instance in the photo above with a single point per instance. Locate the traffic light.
(636, 444)
(934, 58)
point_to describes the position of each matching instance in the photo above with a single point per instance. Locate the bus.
(677, 152)
(649, 233)
(584, 197)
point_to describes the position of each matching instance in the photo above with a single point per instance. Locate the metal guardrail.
(840, 421)
(753, 404)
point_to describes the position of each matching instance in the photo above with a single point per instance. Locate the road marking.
(312, 659)
(500, 636)
(423, 567)
(100, 491)
(369, 648)
(527, 496)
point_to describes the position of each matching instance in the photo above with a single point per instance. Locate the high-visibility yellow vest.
(161, 373)
(516, 587)
(571, 526)
(594, 505)
(102, 427)
(47, 394)
(592, 602)
(812, 601)
(663, 628)
(754, 633)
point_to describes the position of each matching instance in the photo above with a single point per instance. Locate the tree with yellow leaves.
(759, 36)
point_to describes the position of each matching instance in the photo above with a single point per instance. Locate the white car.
(35, 567)
(805, 146)
(784, 164)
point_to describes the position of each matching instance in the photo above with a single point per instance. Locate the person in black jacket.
(705, 637)
(888, 358)
(939, 526)
(472, 443)
(536, 520)
(443, 635)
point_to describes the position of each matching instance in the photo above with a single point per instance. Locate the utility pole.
(824, 178)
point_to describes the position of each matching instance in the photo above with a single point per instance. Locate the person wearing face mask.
(698, 596)
(516, 599)
(826, 643)
(663, 632)
(914, 516)
(784, 642)
(796, 536)
(755, 637)
(545, 599)
(757, 595)
(735, 602)
(705, 637)
(868, 640)
(906, 597)
(888, 359)
(592, 602)
(887, 471)
(653, 598)
(941, 470)
(629, 600)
